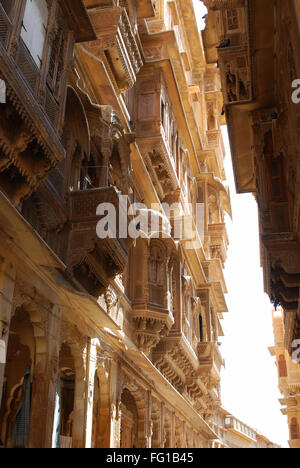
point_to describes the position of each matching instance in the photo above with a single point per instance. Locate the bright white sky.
(249, 380)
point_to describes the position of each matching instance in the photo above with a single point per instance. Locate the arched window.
(129, 422)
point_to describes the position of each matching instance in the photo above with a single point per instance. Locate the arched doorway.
(101, 409)
(16, 400)
(129, 423)
(65, 400)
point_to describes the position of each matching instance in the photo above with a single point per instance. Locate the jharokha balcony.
(117, 44)
(96, 261)
(156, 130)
(34, 63)
(210, 359)
(149, 292)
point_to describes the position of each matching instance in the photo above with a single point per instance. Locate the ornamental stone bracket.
(172, 357)
(159, 165)
(284, 264)
(228, 24)
(116, 45)
(25, 160)
(151, 327)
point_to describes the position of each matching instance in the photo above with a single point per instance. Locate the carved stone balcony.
(216, 283)
(228, 35)
(177, 361)
(210, 360)
(194, 374)
(116, 45)
(31, 118)
(218, 241)
(94, 262)
(151, 303)
(154, 136)
(282, 275)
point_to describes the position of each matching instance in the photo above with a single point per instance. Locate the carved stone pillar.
(159, 434)
(149, 424)
(7, 286)
(78, 428)
(162, 425)
(92, 361)
(44, 382)
(116, 393)
(173, 431)
(184, 436)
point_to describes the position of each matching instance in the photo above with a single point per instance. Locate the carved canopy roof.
(79, 20)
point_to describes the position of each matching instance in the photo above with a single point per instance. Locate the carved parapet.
(116, 44)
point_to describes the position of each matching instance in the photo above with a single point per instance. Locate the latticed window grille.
(56, 65)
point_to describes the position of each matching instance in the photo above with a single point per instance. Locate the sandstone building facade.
(109, 105)
(288, 378)
(256, 46)
(108, 342)
(234, 434)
